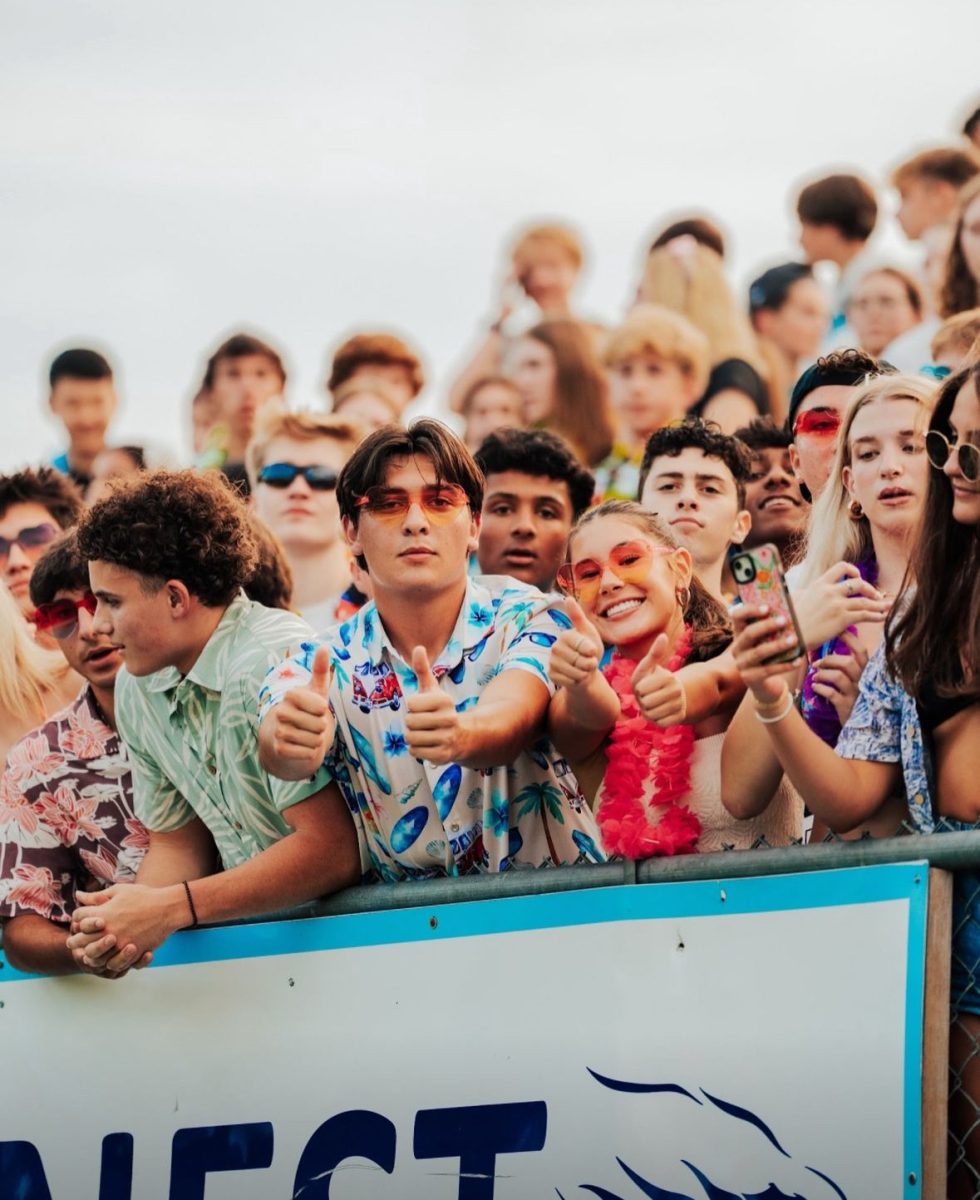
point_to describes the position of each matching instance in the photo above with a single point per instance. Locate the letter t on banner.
(476, 1135)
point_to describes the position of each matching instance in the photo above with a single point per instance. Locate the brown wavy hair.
(181, 525)
(960, 290)
(44, 486)
(581, 415)
(711, 630)
(937, 633)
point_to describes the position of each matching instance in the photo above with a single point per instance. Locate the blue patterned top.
(884, 727)
(416, 819)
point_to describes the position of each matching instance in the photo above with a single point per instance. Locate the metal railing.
(956, 852)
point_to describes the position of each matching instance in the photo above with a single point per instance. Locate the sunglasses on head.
(60, 617)
(818, 422)
(439, 501)
(629, 562)
(32, 538)
(939, 448)
(281, 475)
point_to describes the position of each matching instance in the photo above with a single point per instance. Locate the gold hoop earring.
(855, 511)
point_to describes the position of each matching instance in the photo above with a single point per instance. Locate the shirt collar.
(210, 669)
(474, 624)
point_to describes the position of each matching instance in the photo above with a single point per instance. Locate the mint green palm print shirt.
(193, 740)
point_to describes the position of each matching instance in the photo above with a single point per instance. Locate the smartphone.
(759, 579)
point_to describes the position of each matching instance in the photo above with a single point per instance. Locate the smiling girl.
(660, 707)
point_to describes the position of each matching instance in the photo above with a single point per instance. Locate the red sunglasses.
(819, 422)
(60, 617)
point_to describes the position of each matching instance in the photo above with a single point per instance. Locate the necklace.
(632, 825)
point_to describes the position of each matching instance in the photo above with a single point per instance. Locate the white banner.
(751, 1038)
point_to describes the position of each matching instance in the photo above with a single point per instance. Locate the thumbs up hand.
(432, 724)
(302, 725)
(659, 693)
(576, 654)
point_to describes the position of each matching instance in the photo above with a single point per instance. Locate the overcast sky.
(173, 171)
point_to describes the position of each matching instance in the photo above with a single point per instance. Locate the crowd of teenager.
(347, 646)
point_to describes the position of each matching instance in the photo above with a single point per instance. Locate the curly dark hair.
(706, 436)
(537, 452)
(764, 434)
(61, 568)
(44, 486)
(175, 525)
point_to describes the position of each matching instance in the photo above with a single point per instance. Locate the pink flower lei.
(632, 825)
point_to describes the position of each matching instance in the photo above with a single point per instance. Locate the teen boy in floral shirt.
(66, 797)
(427, 707)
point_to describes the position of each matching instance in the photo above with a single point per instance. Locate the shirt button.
(454, 828)
(238, 825)
(917, 799)
(212, 769)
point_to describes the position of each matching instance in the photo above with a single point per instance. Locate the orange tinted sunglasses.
(629, 562)
(439, 501)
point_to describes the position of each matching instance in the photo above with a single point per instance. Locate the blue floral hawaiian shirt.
(884, 727)
(416, 819)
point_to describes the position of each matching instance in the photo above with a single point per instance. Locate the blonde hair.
(534, 236)
(654, 329)
(277, 421)
(956, 333)
(27, 671)
(689, 279)
(834, 535)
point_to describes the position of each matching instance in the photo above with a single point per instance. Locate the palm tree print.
(543, 798)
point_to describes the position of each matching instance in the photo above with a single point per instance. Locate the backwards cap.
(845, 368)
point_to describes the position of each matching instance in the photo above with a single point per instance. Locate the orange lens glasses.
(629, 562)
(439, 501)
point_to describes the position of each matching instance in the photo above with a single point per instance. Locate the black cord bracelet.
(190, 902)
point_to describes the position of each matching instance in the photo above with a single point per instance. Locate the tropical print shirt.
(414, 819)
(884, 727)
(193, 739)
(66, 814)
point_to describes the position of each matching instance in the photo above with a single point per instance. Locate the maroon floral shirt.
(66, 814)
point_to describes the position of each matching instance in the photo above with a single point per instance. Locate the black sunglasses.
(939, 448)
(31, 538)
(281, 475)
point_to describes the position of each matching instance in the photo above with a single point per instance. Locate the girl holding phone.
(860, 539)
(658, 710)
